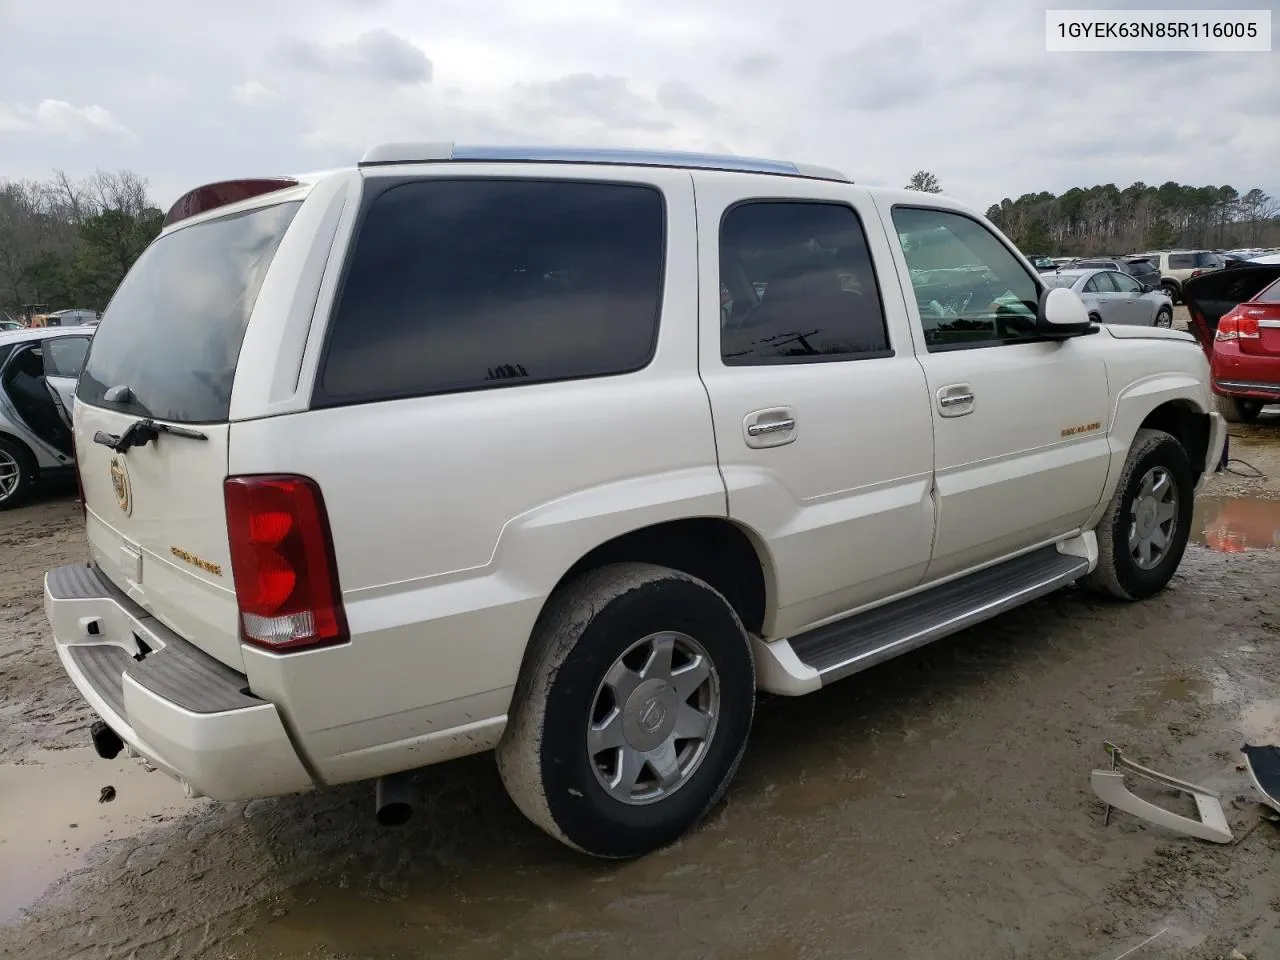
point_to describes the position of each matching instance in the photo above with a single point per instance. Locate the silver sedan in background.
(1115, 297)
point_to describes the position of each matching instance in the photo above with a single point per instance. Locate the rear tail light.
(283, 563)
(1196, 273)
(1237, 326)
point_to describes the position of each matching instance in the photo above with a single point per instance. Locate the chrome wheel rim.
(1164, 319)
(10, 475)
(1153, 518)
(652, 718)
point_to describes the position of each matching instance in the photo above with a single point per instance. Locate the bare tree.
(70, 195)
(123, 192)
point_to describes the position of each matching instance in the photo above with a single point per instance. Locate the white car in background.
(1115, 297)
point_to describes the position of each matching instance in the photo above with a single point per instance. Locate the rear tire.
(1164, 317)
(17, 474)
(1144, 532)
(1238, 409)
(610, 748)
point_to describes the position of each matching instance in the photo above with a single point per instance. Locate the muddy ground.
(935, 807)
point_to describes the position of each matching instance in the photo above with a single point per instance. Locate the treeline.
(1106, 219)
(68, 243)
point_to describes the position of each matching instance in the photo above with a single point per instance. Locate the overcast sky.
(186, 92)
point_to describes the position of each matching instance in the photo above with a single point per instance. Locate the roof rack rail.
(386, 154)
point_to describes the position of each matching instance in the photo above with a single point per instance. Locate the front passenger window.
(971, 289)
(1125, 283)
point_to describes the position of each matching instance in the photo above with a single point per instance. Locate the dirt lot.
(935, 807)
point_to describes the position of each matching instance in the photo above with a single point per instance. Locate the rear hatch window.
(167, 350)
(173, 331)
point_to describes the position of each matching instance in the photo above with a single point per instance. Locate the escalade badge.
(120, 484)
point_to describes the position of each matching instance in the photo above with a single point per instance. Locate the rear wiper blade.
(142, 432)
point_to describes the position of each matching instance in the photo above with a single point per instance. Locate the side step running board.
(847, 646)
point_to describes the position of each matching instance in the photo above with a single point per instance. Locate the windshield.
(172, 332)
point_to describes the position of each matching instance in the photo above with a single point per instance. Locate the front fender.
(1135, 403)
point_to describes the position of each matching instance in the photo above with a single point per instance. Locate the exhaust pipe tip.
(106, 742)
(393, 800)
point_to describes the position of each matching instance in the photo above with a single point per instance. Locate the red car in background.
(1235, 314)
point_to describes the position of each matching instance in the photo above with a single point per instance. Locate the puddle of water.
(50, 816)
(1234, 525)
(1173, 688)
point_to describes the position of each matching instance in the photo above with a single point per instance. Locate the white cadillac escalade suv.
(569, 454)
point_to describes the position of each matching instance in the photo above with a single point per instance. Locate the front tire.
(1171, 291)
(1238, 409)
(632, 711)
(1144, 532)
(1164, 317)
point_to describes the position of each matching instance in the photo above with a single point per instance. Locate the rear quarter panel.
(454, 516)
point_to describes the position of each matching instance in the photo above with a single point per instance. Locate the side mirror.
(1061, 313)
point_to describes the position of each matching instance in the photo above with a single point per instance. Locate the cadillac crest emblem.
(120, 484)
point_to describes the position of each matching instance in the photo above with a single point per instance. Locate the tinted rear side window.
(172, 332)
(470, 284)
(812, 294)
(1181, 261)
(64, 356)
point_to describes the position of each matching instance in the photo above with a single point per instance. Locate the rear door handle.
(769, 428)
(955, 400)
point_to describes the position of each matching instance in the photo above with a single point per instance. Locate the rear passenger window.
(797, 286)
(64, 356)
(1181, 261)
(471, 284)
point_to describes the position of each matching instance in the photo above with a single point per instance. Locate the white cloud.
(11, 119)
(61, 118)
(374, 55)
(251, 93)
